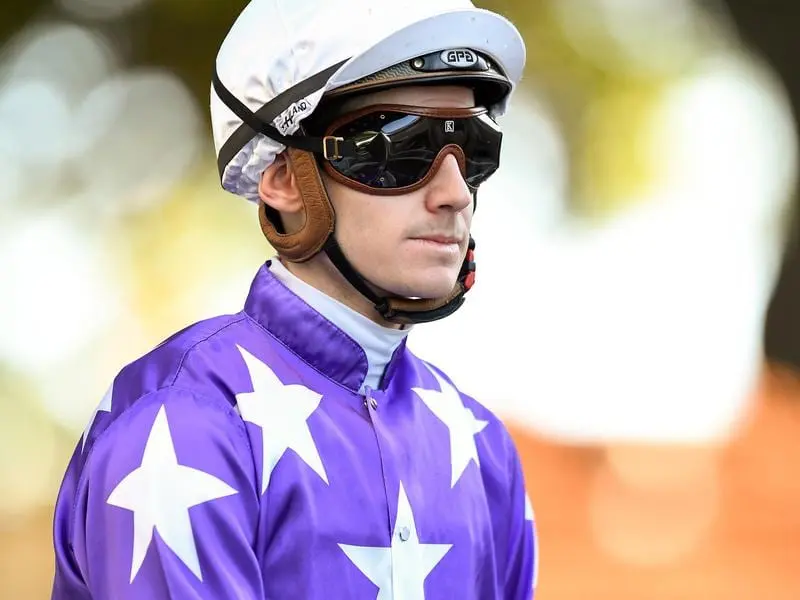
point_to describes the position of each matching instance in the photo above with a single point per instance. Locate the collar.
(337, 341)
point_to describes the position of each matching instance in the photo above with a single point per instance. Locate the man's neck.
(320, 273)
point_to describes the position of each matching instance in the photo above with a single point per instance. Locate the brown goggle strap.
(301, 245)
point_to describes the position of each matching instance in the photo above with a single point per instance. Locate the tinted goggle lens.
(397, 149)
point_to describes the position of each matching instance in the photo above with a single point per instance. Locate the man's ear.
(278, 187)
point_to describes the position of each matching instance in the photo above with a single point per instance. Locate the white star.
(160, 493)
(104, 406)
(400, 570)
(528, 509)
(529, 516)
(460, 420)
(281, 411)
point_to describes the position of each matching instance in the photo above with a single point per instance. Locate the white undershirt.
(378, 342)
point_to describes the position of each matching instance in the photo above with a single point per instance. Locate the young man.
(298, 449)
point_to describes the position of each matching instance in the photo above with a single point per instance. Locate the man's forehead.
(450, 96)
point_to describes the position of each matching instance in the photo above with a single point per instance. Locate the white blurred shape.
(747, 128)
(34, 123)
(102, 9)
(144, 132)
(647, 328)
(12, 177)
(69, 57)
(60, 295)
(45, 71)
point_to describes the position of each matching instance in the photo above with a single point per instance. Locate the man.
(298, 449)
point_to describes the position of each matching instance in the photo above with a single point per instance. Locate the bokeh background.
(636, 317)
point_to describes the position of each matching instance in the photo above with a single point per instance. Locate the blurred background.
(636, 315)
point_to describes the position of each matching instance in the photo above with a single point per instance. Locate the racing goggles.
(394, 149)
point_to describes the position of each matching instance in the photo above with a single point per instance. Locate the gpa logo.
(459, 58)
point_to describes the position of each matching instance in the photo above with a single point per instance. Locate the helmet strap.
(405, 311)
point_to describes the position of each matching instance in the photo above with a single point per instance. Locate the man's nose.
(448, 189)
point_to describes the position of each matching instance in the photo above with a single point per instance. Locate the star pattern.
(399, 570)
(160, 493)
(281, 412)
(446, 404)
(529, 517)
(104, 406)
(528, 508)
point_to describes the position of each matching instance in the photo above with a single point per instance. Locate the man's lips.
(440, 239)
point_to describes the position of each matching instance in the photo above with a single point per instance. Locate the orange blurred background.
(667, 522)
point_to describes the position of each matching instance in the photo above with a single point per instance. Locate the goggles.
(395, 149)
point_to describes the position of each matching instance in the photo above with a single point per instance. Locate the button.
(373, 403)
(404, 534)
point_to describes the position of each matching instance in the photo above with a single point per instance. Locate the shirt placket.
(399, 532)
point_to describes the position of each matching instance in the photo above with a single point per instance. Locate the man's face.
(411, 245)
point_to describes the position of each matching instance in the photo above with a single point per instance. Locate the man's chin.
(427, 289)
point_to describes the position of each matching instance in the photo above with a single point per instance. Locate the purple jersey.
(238, 460)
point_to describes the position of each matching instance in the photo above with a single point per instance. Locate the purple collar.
(308, 334)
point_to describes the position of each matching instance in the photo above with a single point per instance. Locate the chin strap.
(406, 311)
